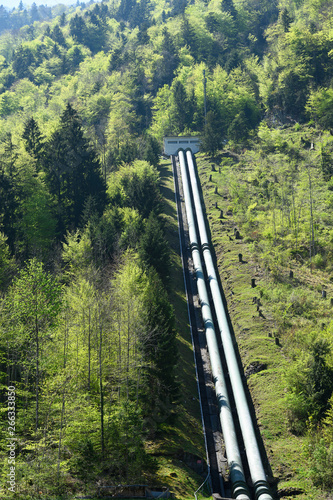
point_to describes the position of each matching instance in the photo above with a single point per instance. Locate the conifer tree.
(34, 143)
(58, 36)
(228, 6)
(73, 171)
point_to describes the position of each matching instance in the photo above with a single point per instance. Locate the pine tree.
(181, 105)
(34, 143)
(159, 347)
(34, 12)
(212, 137)
(189, 36)
(23, 58)
(78, 29)
(153, 247)
(74, 171)
(228, 6)
(58, 36)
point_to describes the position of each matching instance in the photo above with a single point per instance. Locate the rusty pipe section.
(257, 472)
(240, 490)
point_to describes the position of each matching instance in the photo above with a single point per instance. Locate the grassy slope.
(255, 336)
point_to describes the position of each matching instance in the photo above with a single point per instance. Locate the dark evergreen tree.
(189, 37)
(178, 7)
(58, 36)
(56, 50)
(5, 22)
(73, 171)
(76, 58)
(63, 19)
(34, 12)
(164, 72)
(125, 9)
(10, 192)
(326, 164)
(78, 29)
(153, 248)
(159, 347)
(104, 11)
(34, 141)
(151, 150)
(180, 98)
(23, 58)
(228, 6)
(139, 15)
(212, 135)
(8, 207)
(285, 19)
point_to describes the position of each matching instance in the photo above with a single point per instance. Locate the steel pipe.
(257, 472)
(240, 490)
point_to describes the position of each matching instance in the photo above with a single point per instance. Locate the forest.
(88, 331)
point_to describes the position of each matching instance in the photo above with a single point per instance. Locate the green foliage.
(7, 264)
(153, 247)
(319, 452)
(212, 136)
(77, 251)
(73, 171)
(310, 385)
(136, 186)
(31, 309)
(134, 73)
(160, 348)
(37, 224)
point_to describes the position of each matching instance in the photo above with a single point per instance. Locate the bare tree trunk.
(312, 248)
(63, 401)
(37, 365)
(128, 351)
(294, 215)
(101, 380)
(119, 358)
(89, 349)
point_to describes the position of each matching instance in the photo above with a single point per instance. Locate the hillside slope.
(86, 95)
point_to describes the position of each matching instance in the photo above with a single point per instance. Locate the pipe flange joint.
(261, 488)
(240, 488)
